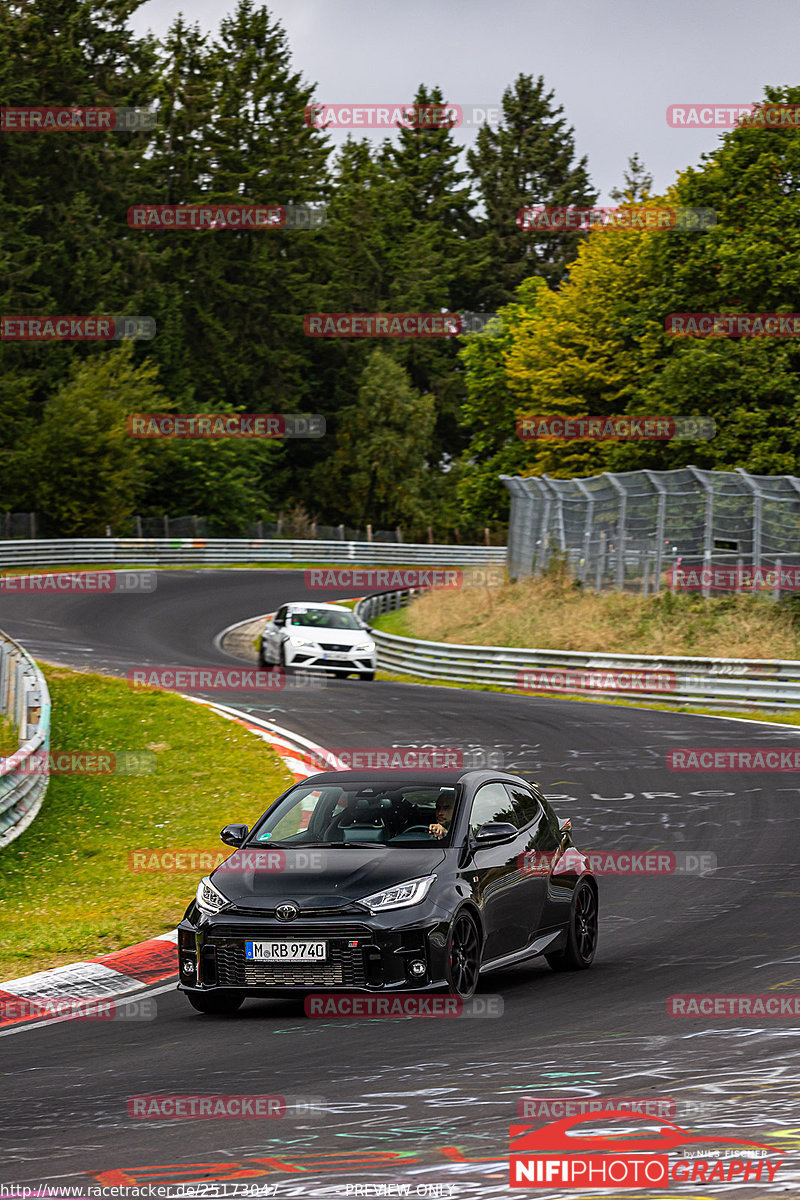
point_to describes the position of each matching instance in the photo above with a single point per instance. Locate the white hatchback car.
(318, 637)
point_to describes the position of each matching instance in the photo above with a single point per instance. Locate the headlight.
(295, 640)
(209, 899)
(401, 896)
(365, 647)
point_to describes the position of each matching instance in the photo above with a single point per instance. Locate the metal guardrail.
(25, 700)
(152, 552)
(671, 679)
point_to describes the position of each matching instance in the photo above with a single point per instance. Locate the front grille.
(345, 966)
(289, 930)
(343, 649)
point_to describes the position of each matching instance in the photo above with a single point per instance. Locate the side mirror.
(234, 835)
(495, 831)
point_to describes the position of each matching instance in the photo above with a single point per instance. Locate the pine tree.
(529, 160)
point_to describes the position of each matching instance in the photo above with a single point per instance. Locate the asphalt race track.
(429, 1102)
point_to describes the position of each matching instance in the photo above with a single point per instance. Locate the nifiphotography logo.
(554, 1156)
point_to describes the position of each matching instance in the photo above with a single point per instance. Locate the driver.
(444, 815)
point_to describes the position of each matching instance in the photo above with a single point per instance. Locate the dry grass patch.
(553, 613)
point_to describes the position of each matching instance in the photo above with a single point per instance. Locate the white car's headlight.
(296, 640)
(209, 899)
(365, 647)
(401, 896)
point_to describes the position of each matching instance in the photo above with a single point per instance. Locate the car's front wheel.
(217, 1004)
(581, 934)
(287, 670)
(463, 962)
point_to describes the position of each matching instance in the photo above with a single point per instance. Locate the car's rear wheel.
(463, 962)
(581, 934)
(217, 1004)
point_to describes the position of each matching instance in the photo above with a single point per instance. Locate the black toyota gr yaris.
(370, 882)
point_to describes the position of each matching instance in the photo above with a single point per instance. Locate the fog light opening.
(188, 967)
(417, 967)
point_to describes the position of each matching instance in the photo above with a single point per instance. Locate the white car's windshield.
(323, 618)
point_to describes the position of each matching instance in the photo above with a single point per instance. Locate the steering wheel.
(416, 829)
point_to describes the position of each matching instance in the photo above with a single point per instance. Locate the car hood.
(328, 877)
(329, 637)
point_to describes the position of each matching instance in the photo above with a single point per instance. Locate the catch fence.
(643, 530)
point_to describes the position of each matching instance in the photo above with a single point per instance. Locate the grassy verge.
(552, 613)
(66, 889)
(9, 737)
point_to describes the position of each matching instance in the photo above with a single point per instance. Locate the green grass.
(66, 889)
(9, 737)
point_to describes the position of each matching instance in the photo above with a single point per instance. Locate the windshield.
(323, 618)
(361, 814)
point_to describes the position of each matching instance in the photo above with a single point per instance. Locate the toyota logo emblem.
(286, 912)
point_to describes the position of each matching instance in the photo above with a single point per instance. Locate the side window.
(526, 804)
(280, 616)
(492, 803)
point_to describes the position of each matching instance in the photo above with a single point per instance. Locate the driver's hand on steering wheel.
(437, 830)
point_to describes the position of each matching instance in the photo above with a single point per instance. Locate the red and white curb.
(44, 998)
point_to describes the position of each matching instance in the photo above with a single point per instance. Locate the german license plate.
(338, 654)
(286, 951)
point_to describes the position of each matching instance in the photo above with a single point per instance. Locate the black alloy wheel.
(582, 934)
(463, 957)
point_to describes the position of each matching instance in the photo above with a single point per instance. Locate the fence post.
(645, 571)
(399, 534)
(601, 562)
(660, 519)
(777, 592)
(33, 526)
(166, 525)
(369, 533)
(757, 499)
(138, 527)
(587, 526)
(341, 533)
(619, 562)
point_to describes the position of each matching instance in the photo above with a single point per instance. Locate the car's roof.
(394, 778)
(312, 604)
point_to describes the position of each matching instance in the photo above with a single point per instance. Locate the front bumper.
(319, 659)
(361, 957)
